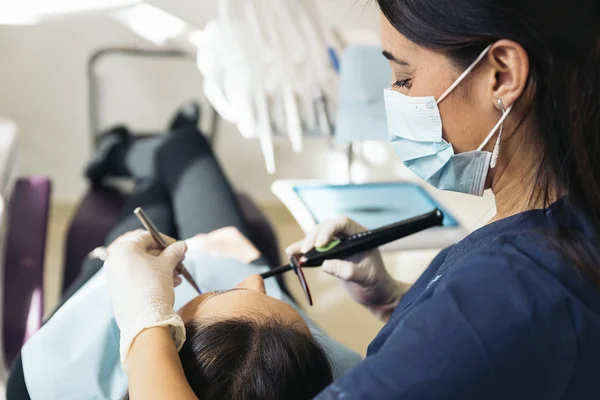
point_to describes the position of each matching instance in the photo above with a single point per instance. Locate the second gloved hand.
(363, 276)
(140, 283)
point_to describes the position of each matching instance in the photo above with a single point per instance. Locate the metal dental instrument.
(160, 241)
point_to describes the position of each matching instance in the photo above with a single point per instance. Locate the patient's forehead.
(240, 303)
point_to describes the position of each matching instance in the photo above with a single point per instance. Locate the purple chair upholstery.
(96, 214)
(101, 207)
(25, 248)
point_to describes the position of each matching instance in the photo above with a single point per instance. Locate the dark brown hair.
(253, 359)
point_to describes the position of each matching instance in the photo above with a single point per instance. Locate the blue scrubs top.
(500, 315)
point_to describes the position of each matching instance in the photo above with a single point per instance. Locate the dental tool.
(160, 242)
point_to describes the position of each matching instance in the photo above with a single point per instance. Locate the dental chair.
(24, 211)
(101, 207)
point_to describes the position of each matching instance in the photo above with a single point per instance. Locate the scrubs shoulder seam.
(561, 296)
(485, 246)
(460, 251)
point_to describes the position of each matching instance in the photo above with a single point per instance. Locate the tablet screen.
(372, 205)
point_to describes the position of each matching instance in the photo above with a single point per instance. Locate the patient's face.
(247, 299)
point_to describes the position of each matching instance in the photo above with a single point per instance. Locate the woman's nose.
(253, 282)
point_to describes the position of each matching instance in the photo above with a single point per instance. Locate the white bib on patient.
(76, 353)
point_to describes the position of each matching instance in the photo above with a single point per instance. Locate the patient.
(242, 344)
(246, 340)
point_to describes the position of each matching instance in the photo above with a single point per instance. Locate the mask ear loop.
(496, 151)
(464, 74)
(500, 124)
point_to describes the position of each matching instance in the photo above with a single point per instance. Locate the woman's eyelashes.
(404, 84)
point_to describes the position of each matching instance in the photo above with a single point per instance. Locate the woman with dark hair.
(246, 339)
(513, 310)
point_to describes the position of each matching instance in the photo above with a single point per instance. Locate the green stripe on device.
(330, 246)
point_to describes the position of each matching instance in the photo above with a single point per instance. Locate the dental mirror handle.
(162, 244)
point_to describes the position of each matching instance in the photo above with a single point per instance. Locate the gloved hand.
(363, 276)
(140, 283)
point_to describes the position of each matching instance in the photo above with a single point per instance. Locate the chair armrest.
(25, 247)
(96, 214)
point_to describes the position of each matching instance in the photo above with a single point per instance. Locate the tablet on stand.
(372, 205)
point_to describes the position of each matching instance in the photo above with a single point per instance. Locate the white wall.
(43, 88)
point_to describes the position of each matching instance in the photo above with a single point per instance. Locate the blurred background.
(44, 89)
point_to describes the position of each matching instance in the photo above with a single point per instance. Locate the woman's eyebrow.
(393, 58)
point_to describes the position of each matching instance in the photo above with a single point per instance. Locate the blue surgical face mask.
(415, 130)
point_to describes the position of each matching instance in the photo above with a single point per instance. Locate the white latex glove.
(363, 276)
(140, 283)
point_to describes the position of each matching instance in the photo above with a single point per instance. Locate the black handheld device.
(343, 248)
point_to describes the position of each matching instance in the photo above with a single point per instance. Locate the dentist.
(487, 94)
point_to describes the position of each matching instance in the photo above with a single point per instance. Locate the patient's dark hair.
(253, 359)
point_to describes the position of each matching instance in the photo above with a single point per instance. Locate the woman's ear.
(511, 65)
